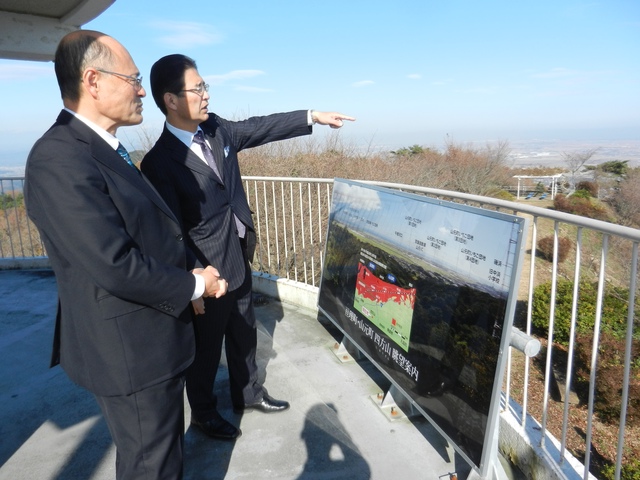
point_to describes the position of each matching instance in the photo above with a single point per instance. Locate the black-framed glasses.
(135, 80)
(199, 90)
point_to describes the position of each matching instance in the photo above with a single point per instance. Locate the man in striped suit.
(194, 166)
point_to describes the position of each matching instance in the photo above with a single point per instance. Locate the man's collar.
(110, 139)
(183, 135)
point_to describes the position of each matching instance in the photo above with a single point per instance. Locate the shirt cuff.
(199, 290)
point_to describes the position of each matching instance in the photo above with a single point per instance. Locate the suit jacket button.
(179, 237)
(221, 186)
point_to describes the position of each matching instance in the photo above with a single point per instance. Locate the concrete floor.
(51, 429)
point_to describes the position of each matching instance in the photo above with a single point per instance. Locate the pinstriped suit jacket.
(202, 202)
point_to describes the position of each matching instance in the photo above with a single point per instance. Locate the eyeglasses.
(199, 90)
(136, 80)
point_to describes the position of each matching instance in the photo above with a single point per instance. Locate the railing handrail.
(287, 179)
(13, 178)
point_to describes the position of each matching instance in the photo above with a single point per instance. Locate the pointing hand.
(333, 119)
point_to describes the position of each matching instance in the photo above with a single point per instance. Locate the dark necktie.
(208, 155)
(206, 151)
(124, 154)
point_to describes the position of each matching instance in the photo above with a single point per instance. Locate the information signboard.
(423, 288)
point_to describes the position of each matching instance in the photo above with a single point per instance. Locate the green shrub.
(590, 187)
(8, 200)
(630, 471)
(614, 309)
(609, 376)
(412, 150)
(503, 195)
(581, 194)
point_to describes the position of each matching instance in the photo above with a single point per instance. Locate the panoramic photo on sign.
(423, 288)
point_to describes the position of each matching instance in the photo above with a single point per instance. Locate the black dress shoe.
(266, 405)
(218, 428)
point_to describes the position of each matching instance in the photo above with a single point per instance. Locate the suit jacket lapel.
(180, 153)
(107, 156)
(113, 160)
(217, 147)
(219, 143)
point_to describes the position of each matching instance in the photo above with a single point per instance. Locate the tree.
(477, 171)
(617, 167)
(627, 199)
(575, 161)
(406, 151)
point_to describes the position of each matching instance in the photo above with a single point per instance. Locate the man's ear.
(170, 101)
(90, 82)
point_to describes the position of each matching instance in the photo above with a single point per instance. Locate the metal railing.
(291, 216)
(18, 236)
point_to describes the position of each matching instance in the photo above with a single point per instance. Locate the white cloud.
(363, 83)
(232, 76)
(184, 35)
(414, 76)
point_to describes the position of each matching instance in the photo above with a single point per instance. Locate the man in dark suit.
(194, 166)
(123, 329)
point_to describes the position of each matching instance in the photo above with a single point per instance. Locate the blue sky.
(411, 72)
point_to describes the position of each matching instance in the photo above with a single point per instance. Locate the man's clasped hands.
(214, 286)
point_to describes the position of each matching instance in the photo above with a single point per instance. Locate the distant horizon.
(545, 153)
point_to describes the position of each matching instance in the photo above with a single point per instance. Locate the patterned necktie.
(124, 154)
(208, 155)
(206, 151)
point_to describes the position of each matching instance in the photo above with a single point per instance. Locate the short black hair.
(167, 75)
